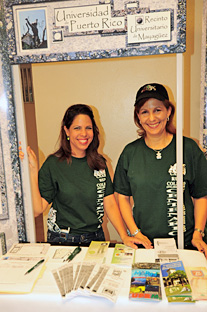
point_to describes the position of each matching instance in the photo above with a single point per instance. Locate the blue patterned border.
(203, 105)
(129, 50)
(4, 214)
(6, 88)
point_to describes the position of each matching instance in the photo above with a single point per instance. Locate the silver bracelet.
(136, 232)
(200, 231)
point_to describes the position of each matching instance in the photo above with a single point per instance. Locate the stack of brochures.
(92, 277)
(176, 283)
(89, 279)
(145, 281)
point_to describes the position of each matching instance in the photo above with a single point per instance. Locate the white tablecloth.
(46, 297)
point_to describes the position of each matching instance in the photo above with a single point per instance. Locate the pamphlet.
(89, 279)
(97, 251)
(165, 250)
(176, 283)
(123, 255)
(198, 280)
(145, 281)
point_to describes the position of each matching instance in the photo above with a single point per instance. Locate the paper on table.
(123, 255)
(16, 262)
(62, 253)
(97, 251)
(13, 278)
(165, 250)
(89, 279)
(35, 249)
(198, 280)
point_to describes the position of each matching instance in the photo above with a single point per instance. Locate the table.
(46, 297)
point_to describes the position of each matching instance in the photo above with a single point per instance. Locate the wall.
(193, 68)
(110, 86)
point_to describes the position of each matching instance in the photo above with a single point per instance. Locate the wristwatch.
(200, 231)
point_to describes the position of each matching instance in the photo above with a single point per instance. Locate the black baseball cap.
(152, 90)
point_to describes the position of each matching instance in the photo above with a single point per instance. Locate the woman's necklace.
(163, 142)
(158, 153)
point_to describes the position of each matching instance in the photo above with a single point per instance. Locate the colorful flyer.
(123, 255)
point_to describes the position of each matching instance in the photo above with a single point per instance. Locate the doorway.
(31, 129)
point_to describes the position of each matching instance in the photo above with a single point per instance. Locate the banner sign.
(41, 31)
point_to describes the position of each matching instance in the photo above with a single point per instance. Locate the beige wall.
(110, 86)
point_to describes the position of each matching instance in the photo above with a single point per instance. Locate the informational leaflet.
(97, 251)
(165, 250)
(89, 279)
(123, 255)
(145, 281)
(198, 280)
(176, 283)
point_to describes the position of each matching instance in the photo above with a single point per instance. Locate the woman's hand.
(138, 239)
(33, 163)
(198, 242)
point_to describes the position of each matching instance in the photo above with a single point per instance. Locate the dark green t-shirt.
(76, 193)
(153, 184)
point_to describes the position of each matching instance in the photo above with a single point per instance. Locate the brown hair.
(95, 160)
(169, 126)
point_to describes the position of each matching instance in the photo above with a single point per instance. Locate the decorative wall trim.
(203, 98)
(12, 177)
(47, 31)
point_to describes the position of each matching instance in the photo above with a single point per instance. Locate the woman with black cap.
(147, 171)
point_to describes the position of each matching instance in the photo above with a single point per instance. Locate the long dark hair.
(95, 160)
(169, 126)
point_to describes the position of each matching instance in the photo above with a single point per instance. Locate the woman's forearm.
(126, 212)
(114, 215)
(39, 203)
(200, 212)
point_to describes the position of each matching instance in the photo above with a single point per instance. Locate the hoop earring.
(68, 138)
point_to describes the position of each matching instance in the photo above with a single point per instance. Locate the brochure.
(165, 250)
(145, 281)
(97, 251)
(198, 280)
(90, 279)
(176, 283)
(123, 255)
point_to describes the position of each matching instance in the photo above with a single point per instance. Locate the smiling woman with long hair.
(76, 182)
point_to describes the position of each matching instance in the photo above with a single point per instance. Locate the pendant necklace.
(158, 153)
